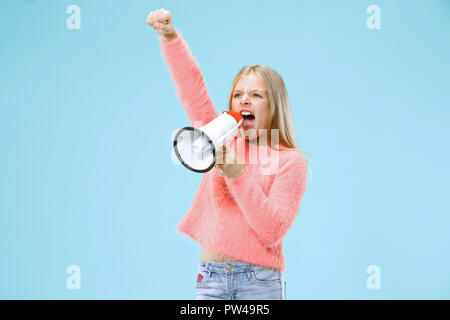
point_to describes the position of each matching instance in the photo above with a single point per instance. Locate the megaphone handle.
(226, 136)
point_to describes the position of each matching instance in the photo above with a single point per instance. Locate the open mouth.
(249, 119)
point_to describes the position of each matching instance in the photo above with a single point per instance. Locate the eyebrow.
(239, 90)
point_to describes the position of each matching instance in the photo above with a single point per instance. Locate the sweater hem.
(281, 268)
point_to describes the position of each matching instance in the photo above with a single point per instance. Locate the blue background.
(87, 117)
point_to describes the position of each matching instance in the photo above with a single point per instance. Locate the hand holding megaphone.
(228, 162)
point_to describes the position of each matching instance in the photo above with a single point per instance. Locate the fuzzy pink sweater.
(247, 217)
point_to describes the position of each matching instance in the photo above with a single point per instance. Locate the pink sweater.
(247, 217)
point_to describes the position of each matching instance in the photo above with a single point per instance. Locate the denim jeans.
(238, 281)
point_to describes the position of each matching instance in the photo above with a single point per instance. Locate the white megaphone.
(196, 147)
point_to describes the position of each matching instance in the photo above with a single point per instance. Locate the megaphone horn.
(196, 147)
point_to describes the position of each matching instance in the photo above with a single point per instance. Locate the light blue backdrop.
(87, 116)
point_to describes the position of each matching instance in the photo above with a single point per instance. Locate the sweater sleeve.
(189, 82)
(270, 216)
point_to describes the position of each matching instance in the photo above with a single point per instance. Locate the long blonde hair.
(280, 116)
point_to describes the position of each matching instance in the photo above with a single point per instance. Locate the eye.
(237, 94)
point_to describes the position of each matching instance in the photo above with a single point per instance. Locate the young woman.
(243, 208)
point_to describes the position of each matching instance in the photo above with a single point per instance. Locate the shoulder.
(292, 155)
(292, 165)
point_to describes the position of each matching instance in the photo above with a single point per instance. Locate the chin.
(250, 136)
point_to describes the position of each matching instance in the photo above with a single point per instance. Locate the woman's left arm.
(270, 216)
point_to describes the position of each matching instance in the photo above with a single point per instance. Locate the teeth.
(245, 113)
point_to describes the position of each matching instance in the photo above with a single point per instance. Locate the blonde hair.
(280, 116)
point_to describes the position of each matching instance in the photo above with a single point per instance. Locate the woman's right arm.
(185, 71)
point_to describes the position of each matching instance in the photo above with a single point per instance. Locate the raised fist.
(161, 21)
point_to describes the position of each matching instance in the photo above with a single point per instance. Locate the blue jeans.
(239, 281)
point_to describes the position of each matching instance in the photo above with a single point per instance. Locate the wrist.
(232, 171)
(169, 37)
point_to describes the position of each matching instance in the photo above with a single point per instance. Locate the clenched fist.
(228, 162)
(161, 21)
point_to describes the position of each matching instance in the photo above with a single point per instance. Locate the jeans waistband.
(230, 267)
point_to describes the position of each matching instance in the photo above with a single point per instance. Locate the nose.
(245, 100)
